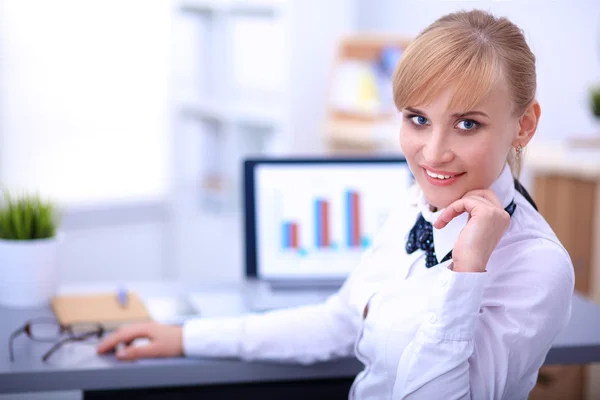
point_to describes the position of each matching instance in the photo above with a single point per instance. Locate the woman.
(465, 302)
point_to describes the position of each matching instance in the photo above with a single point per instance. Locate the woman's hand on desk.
(165, 341)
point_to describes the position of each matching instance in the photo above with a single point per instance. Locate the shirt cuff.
(213, 337)
(454, 305)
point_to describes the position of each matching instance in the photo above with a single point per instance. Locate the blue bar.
(286, 235)
(349, 219)
(365, 242)
(318, 222)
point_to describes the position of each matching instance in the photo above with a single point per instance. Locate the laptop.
(308, 220)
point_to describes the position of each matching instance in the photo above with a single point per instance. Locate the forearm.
(305, 334)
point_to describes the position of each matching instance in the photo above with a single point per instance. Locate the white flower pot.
(28, 272)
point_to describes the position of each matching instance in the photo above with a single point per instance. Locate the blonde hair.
(473, 50)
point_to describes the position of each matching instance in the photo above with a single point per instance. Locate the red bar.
(356, 219)
(326, 238)
(294, 235)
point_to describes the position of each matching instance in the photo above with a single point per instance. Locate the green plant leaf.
(595, 100)
(27, 217)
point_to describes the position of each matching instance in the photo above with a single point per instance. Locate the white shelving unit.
(255, 58)
(233, 118)
(256, 84)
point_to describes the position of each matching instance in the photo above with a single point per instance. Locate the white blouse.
(427, 333)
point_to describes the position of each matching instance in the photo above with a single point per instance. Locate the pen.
(122, 297)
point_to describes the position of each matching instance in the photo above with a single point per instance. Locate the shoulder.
(531, 252)
(532, 275)
(537, 261)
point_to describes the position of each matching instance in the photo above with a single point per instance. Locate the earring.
(519, 149)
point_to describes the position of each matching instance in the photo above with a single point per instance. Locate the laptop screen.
(312, 218)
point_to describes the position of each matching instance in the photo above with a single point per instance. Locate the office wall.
(84, 89)
(84, 118)
(563, 34)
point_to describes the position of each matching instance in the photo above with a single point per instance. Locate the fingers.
(134, 352)
(166, 342)
(466, 204)
(124, 335)
(487, 194)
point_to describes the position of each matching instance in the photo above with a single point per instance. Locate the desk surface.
(77, 367)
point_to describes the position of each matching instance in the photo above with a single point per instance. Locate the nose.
(436, 150)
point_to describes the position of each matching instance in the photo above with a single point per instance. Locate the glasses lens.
(45, 331)
(86, 333)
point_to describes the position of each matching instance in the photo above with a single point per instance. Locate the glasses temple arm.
(58, 344)
(11, 340)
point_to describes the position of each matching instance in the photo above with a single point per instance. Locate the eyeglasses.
(49, 330)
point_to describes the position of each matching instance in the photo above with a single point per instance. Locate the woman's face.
(452, 153)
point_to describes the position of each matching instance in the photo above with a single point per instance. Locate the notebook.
(100, 308)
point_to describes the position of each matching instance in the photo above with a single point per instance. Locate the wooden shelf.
(365, 135)
(368, 47)
(362, 129)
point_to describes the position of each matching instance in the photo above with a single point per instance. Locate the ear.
(528, 124)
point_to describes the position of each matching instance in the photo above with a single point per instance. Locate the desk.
(79, 368)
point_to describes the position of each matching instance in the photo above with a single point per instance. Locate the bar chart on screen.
(320, 222)
(352, 238)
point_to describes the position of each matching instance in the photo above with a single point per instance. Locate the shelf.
(247, 112)
(362, 46)
(84, 214)
(340, 115)
(203, 109)
(253, 7)
(211, 193)
(242, 95)
(551, 157)
(258, 111)
(592, 141)
(360, 113)
(380, 135)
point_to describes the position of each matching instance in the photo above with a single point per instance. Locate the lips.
(441, 178)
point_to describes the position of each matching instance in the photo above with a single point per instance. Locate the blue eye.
(418, 120)
(468, 125)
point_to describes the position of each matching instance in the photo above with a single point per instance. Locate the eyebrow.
(456, 115)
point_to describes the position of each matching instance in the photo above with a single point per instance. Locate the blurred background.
(135, 114)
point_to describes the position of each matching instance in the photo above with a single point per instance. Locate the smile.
(442, 178)
(438, 176)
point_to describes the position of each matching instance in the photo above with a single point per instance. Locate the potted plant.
(595, 101)
(28, 250)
